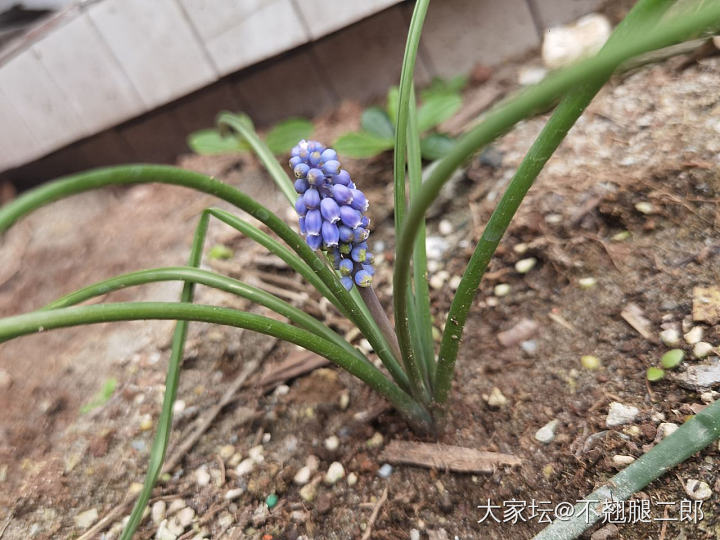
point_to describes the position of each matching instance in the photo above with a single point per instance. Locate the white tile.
(240, 33)
(17, 144)
(155, 46)
(325, 16)
(42, 104)
(83, 67)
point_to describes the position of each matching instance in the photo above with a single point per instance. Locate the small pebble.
(185, 517)
(334, 473)
(146, 422)
(645, 207)
(454, 282)
(226, 452)
(256, 454)
(344, 400)
(619, 414)
(437, 281)
(701, 349)
(85, 519)
(178, 406)
(709, 397)
(501, 289)
(496, 398)
(308, 492)
(587, 282)
(590, 362)
(5, 380)
(157, 512)
(670, 337)
(694, 335)
(164, 532)
(546, 434)
(281, 390)
(245, 467)
(523, 266)
(445, 227)
(175, 506)
(435, 247)
(529, 346)
(385, 470)
(622, 461)
(665, 429)
(298, 516)
(332, 443)
(376, 441)
(520, 249)
(621, 236)
(202, 477)
(266, 438)
(352, 479)
(232, 494)
(553, 219)
(697, 489)
(414, 534)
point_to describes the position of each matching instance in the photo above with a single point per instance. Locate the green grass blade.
(401, 302)
(694, 435)
(242, 125)
(504, 116)
(39, 321)
(566, 114)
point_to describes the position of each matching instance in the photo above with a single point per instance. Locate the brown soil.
(650, 137)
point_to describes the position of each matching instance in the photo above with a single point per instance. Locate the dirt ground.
(651, 137)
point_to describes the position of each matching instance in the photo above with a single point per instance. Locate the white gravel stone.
(227, 451)
(385, 470)
(281, 390)
(332, 443)
(158, 512)
(665, 429)
(445, 227)
(185, 516)
(454, 282)
(501, 289)
(670, 337)
(308, 492)
(334, 473)
(178, 406)
(620, 414)
(645, 207)
(303, 475)
(414, 534)
(435, 247)
(298, 516)
(546, 434)
(175, 506)
(697, 489)
(164, 532)
(202, 477)
(256, 454)
(496, 398)
(245, 467)
(352, 479)
(563, 45)
(531, 75)
(694, 335)
(620, 460)
(587, 282)
(232, 494)
(701, 349)
(85, 519)
(523, 266)
(344, 400)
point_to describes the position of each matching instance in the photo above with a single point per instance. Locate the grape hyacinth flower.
(331, 212)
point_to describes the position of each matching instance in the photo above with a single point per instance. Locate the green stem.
(554, 132)
(505, 115)
(39, 321)
(691, 437)
(138, 174)
(401, 307)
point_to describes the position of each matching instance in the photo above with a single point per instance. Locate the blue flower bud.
(301, 185)
(360, 234)
(358, 254)
(347, 282)
(346, 267)
(301, 223)
(315, 177)
(363, 278)
(346, 234)
(362, 245)
(314, 159)
(359, 202)
(350, 217)
(300, 170)
(369, 258)
(342, 178)
(328, 155)
(330, 234)
(330, 210)
(300, 207)
(331, 167)
(315, 146)
(344, 248)
(314, 241)
(369, 268)
(313, 222)
(295, 161)
(295, 152)
(341, 194)
(311, 198)
(365, 222)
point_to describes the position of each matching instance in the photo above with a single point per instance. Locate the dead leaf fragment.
(706, 305)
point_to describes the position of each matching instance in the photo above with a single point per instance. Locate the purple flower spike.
(331, 167)
(330, 234)
(328, 155)
(360, 234)
(314, 159)
(347, 282)
(330, 210)
(365, 222)
(315, 146)
(341, 194)
(342, 178)
(300, 207)
(359, 202)
(314, 241)
(369, 258)
(301, 170)
(363, 278)
(368, 268)
(350, 217)
(301, 185)
(346, 234)
(344, 249)
(315, 177)
(295, 161)
(313, 222)
(301, 223)
(346, 267)
(358, 254)
(311, 198)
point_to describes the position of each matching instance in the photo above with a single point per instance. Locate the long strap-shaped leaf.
(504, 116)
(136, 174)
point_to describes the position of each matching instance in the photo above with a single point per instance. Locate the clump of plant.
(333, 258)
(440, 101)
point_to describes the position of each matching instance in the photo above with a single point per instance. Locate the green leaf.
(377, 122)
(286, 134)
(393, 98)
(655, 374)
(208, 142)
(436, 110)
(436, 146)
(103, 395)
(439, 86)
(361, 144)
(672, 358)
